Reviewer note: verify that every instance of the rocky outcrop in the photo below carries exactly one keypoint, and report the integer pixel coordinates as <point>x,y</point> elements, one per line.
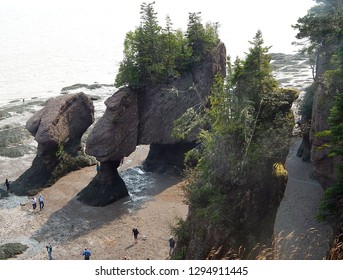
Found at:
<point>58,129</point>
<point>161,105</point>
<point>324,166</point>
<point>167,158</point>
<point>113,137</point>
<point>250,211</point>
<point>115,134</point>
<point>147,117</point>
<point>237,221</point>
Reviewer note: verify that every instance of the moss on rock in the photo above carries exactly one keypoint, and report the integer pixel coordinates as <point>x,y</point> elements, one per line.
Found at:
<point>10,250</point>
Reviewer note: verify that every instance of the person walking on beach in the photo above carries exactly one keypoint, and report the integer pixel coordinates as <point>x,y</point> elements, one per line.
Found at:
<point>87,254</point>
<point>135,234</point>
<point>41,202</point>
<point>171,245</point>
<point>49,250</point>
<point>98,167</point>
<point>7,184</point>
<point>34,203</point>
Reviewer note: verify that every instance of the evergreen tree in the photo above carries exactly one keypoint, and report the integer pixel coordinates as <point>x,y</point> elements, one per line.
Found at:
<point>201,39</point>
<point>154,55</point>
<point>254,79</point>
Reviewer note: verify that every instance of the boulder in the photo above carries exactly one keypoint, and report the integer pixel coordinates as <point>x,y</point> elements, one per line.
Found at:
<point>58,128</point>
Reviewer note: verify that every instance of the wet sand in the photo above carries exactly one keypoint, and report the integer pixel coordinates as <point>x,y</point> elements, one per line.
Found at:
<point>71,226</point>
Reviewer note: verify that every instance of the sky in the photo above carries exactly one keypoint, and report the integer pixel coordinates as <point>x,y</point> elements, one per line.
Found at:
<point>239,19</point>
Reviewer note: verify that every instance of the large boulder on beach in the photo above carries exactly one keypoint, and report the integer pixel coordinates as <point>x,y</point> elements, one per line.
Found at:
<point>61,122</point>
<point>58,128</point>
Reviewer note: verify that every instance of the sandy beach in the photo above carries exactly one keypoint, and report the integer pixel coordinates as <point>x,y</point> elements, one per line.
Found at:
<point>71,226</point>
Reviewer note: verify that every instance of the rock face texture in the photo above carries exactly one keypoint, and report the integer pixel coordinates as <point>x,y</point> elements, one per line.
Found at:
<point>323,164</point>
<point>161,105</point>
<point>247,209</point>
<point>250,211</point>
<point>58,129</point>
<point>147,117</point>
<point>113,137</point>
<point>115,134</point>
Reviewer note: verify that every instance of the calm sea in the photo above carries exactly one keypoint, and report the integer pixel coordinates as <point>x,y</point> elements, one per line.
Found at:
<point>44,50</point>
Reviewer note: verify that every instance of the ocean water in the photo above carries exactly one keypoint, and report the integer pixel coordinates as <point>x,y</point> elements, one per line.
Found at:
<point>43,51</point>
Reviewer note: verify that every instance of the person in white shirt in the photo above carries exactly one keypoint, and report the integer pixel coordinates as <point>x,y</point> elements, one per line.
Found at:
<point>34,203</point>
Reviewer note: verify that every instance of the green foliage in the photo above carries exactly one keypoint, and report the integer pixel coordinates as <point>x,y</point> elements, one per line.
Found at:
<point>153,54</point>
<point>10,250</point>
<point>333,198</point>
<point>246,125</point>
<point>182,235</point>
<point>201,39</point>
<point>323,27</point>
<point>307,103</point>
<point>253,77</point>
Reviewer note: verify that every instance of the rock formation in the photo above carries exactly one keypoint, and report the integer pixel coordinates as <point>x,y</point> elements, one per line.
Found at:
<point>58,128</point>
<point>241,225</point>
<point>147,117</point>
<point>113,137</point>
<point>324,166</point>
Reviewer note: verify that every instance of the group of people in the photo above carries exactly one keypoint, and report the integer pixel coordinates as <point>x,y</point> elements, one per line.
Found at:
<point>87,253</point>
<point>40,200</point>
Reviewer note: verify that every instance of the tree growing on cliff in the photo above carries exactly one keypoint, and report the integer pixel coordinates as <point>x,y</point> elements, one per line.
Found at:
<point>155,55</point>
<point>201,39</point>
<point>322,26</point>
<point>240,138</point>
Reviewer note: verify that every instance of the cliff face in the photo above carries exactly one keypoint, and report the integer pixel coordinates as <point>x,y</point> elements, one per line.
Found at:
<point>147,117</point>
<point>161,105</point>
<point>247,209</point>
<point>324,165</point>
<point>250,211</point>
<point>115,134</point>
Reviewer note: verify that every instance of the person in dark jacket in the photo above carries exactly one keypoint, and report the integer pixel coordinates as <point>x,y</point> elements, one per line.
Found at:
<point>87,254</point>
<point>7,184</point>
<point>171,246</point>
<point>135,234</point>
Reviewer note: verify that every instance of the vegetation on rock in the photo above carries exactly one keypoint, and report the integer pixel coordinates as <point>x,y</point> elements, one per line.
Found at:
<point>323,27</point>
<point>245,136</point>
<point>154,55</point>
